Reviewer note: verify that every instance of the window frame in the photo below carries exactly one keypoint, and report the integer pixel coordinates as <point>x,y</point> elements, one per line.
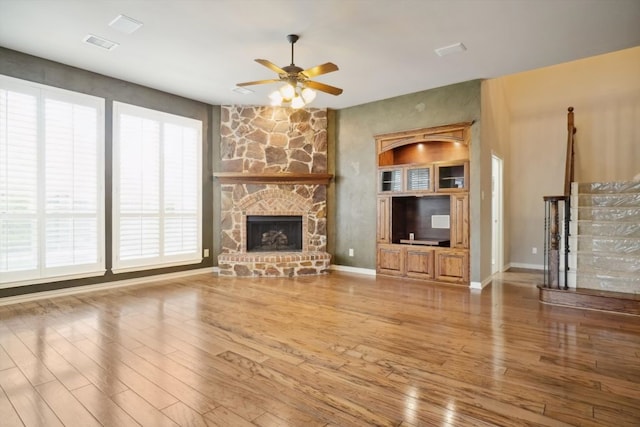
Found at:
<point>162,260</point>
<point>41,273</point>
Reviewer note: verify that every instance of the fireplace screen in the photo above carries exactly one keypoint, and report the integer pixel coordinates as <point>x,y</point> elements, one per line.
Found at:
<point>274,233</point>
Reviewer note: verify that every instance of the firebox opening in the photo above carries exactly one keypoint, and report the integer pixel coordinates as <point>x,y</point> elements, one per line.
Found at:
<point>274,233</point>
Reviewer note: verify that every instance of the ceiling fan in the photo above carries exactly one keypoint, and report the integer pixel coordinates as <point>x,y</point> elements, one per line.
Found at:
<point>298,87</point>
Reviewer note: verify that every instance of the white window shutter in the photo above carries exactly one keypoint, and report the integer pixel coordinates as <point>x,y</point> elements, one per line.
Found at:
<point>157,195</point>
<point>18,183</point>
<point>51,183</point>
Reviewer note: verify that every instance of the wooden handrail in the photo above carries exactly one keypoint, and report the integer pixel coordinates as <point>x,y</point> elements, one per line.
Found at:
<point>569,165</point>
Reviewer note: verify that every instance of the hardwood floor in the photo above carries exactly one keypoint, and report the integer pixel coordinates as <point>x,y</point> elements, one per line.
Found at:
<point>336,350</point>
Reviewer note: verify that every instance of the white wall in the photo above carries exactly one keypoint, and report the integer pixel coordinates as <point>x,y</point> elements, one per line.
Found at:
<point>605,92</point>
<point>496,130</point>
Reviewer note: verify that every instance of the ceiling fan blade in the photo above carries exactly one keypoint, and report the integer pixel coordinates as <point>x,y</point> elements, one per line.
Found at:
<point>329,67</point>
<point>270,65</point>
<point>258,82</point>
<point>323,87</point>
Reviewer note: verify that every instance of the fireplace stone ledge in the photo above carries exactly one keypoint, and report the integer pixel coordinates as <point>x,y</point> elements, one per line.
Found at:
<point>273,264</point>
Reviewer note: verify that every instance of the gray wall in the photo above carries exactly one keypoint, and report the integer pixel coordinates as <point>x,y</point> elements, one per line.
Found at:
<point>353,222</point>
<point>26,67</point>
<point>351,158</point>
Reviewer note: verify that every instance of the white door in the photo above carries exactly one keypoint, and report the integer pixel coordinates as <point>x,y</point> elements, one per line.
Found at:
<point>497,241</point>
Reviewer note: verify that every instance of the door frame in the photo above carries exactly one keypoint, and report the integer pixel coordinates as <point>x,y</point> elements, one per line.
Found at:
<point>497,213</point>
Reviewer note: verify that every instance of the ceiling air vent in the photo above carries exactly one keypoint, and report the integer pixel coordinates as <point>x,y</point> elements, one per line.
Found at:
<point>125,24</point>
<point>448,50</point>
<point>241,90</point>
<point>100,42</point>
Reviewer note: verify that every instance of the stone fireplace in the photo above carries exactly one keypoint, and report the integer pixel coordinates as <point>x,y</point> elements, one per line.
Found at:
<point>273,191</point>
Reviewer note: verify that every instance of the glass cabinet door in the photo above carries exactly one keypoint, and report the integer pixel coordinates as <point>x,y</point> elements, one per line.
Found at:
<point>390,180</point>
<point>452,176</point>
<point>419,179</point>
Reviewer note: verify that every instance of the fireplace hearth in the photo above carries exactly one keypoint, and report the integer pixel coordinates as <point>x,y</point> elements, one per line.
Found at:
<point>274,233</point>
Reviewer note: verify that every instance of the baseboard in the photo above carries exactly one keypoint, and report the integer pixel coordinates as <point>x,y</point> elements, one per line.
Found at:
<point>357,270</point>
<point>524,265</point>
<point>101,286</point>
<point>481,285</point>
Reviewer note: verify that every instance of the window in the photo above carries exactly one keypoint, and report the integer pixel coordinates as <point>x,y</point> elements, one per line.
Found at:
<point>51,183</point>
<point>157,189</point>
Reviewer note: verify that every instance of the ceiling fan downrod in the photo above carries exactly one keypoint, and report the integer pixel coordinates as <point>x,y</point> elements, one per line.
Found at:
<point>292,39</point>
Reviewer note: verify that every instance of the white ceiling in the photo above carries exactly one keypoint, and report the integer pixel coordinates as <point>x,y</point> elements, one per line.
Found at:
<point>201,48</point>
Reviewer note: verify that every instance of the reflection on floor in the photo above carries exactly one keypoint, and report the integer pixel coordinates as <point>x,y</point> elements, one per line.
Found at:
<point>341,349</point>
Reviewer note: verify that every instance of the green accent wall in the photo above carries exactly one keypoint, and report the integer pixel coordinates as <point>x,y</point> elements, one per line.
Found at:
<point>353,217</point>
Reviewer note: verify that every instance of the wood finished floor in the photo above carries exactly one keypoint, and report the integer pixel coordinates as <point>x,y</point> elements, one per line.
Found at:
<point>336,350</point>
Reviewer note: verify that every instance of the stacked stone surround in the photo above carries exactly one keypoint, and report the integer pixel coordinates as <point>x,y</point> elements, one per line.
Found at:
<point>267,140</point>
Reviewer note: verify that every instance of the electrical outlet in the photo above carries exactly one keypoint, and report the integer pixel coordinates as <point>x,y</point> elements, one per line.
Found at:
<point>534,250</point>
<point>205,253</point>
<point>350,251</point>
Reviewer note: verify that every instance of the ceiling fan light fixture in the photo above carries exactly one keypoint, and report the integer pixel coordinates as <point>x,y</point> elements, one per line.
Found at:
<point>308,95</point>
<point>287,91</point>
<point>276,98</point>
<point>297,102</point>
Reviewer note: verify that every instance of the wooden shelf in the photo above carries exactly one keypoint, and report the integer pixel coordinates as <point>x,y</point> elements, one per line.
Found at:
<point>423,242</point>
<point>272,178</point>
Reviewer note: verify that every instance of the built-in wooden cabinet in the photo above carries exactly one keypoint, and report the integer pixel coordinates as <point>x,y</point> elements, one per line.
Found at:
<point>384,216</point>
<point>460,221</point>
<point>452,266</point>
<point>419,262</point>
<point>391,259</point>
<point>406,260</point>
<point>452,176</point>
<point>423,204</point>
<point>390,180</point>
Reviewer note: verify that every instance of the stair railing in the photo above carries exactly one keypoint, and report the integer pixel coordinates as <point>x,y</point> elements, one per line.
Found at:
<point>570,158</point>
<point>552,236</point>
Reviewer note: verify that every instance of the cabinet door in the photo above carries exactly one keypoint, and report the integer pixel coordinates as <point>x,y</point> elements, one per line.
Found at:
<point>419,178</point>
<point>460,221</point>
<point>384,219</point>
<point>419,262</point>
<point>452,266</point>
<point>452,176</point>
<point>390,180</point>
<point>391,260</point>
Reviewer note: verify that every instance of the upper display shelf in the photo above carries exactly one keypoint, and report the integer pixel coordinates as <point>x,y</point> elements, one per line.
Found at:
<point>425,145</point>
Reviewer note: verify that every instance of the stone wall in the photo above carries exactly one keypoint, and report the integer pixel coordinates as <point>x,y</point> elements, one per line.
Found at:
<point>259,140</point>
<point>273,139</point>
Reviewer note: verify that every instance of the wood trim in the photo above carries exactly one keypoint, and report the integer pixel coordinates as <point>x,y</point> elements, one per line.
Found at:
<point>272,178</point>
<point>616,302</point>
<point>458,132</point>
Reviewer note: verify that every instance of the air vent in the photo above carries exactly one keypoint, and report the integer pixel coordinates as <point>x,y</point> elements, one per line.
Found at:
<point>125,24</point>
<point>100,42</point>
<point>448,50</point>
<point>241,90</point>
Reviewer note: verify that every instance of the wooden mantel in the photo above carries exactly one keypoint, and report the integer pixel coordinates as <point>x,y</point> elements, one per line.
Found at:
<point>272,178</point>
